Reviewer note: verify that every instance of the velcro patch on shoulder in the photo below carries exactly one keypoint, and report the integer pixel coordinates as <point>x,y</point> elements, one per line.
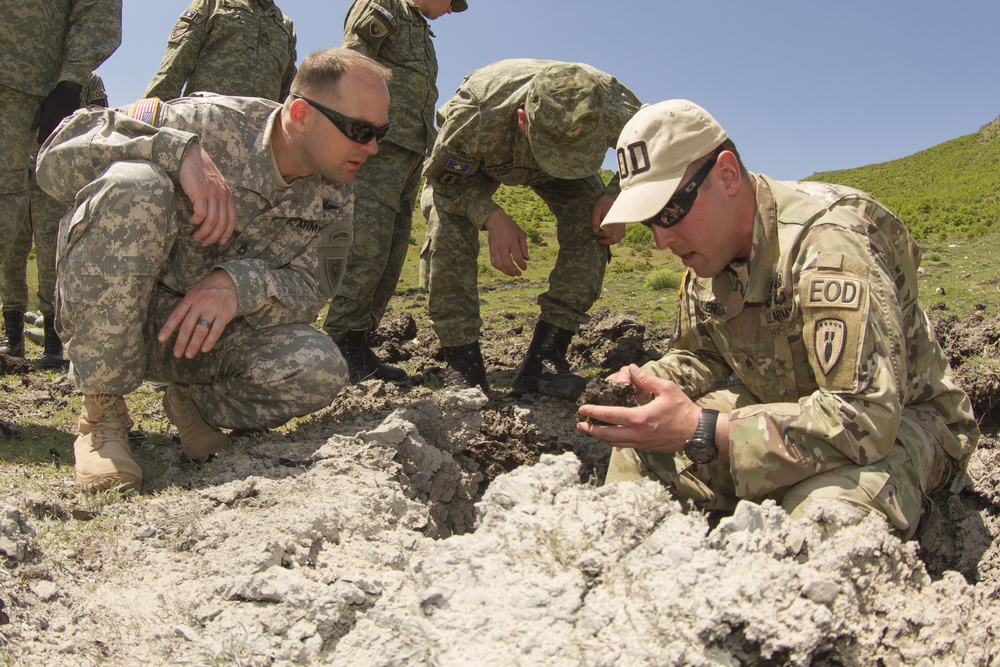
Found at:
<point>448,169</point>
<point>834,319</point>
<point>377,25</point>
<point>147,111</point>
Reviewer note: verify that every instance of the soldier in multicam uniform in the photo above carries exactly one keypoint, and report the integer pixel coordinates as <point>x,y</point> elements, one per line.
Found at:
<point>229,47</point>
<point>47,52</point>
<point>547,125</point>
<point>222,314</point>
<point>814,370</point>
<point>397,34</point>
<point>42,223</point>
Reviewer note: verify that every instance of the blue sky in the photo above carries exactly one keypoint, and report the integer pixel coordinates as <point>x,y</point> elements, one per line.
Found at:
<point>800,85</point>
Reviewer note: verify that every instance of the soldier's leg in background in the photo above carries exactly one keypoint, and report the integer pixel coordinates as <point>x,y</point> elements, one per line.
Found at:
<point>17,111</point>
<point>708,486</point>
<point>399,244</point>
<point>110,251</point>
<point>14,269</point>
<point>45,213</point>
<point>451,251</point>
<point>379,212</point>
<point>575,280</point>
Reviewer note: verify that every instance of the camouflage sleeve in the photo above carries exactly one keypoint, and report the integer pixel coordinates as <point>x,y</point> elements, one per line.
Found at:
<point>286,80</point>
<point>453,166</point>
<point>852,328</point>
<point>623,104</point>
<point>367,25</point>
<point>94,33</point>
<point>183,48</point>
<point>87,142</point>
<point>693,362</point>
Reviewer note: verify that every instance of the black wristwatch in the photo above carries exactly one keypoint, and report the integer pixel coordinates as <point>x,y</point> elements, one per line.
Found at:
<point>701,448</point>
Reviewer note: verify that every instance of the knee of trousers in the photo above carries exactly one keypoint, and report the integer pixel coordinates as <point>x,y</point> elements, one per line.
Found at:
<point>309,371</point>
<point>131,207</point>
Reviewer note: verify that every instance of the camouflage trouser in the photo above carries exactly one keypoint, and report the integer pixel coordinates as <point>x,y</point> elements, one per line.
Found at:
<point>451,253</point>
<point>891,486</point>
<point>41,223</point>
<point>110,307</point>
<point>384,195</point>
<point>17,111</point>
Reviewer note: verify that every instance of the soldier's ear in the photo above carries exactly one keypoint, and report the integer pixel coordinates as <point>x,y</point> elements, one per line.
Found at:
<point>298,112</point>
<point>729,171</point>
<point>522,120</point>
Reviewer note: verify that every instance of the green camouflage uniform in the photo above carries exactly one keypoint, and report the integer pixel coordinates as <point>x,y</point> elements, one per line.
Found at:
<point>825,360</point>
<point>229,47</point>
<point>41,44</point>
<point>394,33</point>
<point>480,146</point>
<point>42,223</point>
<point>126,258</point>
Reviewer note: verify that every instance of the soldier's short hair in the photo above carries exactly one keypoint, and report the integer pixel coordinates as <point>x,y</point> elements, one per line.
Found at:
<point>323,69</point>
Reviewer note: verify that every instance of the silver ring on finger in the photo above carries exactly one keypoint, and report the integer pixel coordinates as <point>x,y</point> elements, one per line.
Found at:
<point>204,323</point>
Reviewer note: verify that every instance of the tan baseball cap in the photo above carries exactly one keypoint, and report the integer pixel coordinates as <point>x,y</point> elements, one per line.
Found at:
<point>566,121</point>
<point>459,5</point>
<point>655,148</point>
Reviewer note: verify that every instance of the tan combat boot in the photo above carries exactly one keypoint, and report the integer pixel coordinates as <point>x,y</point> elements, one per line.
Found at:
<point>199,439</point>
<point>103,457</point>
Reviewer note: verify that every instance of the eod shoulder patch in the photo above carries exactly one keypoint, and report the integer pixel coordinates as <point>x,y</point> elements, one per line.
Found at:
<point>834,316</point>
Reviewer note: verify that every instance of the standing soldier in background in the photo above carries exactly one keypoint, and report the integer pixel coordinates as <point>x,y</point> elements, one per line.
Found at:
<point>42,223</point>
<point>547,125</point>
<point>229,47</point>
<point>48,50</point>
<point>396,34</point>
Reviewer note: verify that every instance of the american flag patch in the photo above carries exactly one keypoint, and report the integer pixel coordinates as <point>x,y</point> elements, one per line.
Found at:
<point>146,110</point>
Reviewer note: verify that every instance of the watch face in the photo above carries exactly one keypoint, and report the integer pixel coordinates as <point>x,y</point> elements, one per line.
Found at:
<point>700,450</point>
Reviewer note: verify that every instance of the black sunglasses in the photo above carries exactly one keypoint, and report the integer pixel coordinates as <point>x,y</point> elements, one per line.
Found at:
<point>356,130</point>
<point>682,201</point>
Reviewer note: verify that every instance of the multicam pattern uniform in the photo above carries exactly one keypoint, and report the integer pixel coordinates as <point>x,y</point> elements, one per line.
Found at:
<point>126,258</point>
<point>394,33</point>
<point>41,44</point>
<point>229,47</point>
<point>42,223</point>
<point>841,383</point>
<point>480,146</point>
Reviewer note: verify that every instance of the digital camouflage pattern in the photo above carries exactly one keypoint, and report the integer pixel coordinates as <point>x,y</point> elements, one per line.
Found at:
<point>229,47</point>
<point>480,146</point>
<point>126,257</point>
<point>823,328</point>
<point>41,44</point>
<point>397,35</point>
<point>41,224</point>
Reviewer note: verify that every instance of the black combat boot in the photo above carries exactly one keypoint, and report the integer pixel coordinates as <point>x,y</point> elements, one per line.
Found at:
<point>545,369</point>
<point>465,367</point>
<point>52,351</point>
<point>13,340</point>
<point>362,362</point>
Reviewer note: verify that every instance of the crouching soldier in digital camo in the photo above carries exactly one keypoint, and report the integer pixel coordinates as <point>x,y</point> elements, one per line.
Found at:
<point>547,125</point>
<point>804,369</point>
<point>222,312</point>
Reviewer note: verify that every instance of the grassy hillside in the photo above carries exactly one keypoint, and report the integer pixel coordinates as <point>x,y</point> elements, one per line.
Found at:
<point>951,190</point>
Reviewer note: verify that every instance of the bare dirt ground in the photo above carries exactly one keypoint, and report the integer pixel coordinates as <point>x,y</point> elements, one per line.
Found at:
<point>405,525</point>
